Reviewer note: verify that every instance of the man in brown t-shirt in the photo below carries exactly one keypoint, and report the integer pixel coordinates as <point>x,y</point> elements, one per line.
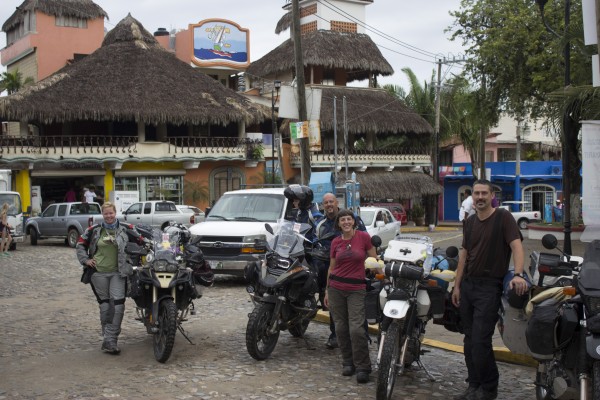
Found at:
<point>489,238</point>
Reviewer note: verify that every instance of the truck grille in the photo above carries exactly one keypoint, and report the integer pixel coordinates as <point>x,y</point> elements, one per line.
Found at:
<point>230,239</point>
<point>224,251</point>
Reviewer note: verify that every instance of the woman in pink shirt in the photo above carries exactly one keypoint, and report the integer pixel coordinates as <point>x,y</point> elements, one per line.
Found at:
<point>346,292</point>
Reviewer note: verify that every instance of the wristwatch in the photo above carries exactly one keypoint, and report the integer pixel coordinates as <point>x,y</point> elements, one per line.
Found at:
<point>520,275</point>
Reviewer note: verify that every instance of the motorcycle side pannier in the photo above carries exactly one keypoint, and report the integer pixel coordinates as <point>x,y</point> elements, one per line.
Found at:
<point>373,312</point>
<point>541,329</point>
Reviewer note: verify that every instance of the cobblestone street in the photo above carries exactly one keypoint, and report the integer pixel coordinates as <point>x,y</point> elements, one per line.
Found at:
<point>50,348</point>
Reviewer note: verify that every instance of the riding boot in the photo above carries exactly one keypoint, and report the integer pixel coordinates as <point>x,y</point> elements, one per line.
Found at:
<point>113,327</point>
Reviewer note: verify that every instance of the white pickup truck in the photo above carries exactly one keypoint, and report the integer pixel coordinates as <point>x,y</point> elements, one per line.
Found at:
<point>155,213</point>
<point>522,217</point>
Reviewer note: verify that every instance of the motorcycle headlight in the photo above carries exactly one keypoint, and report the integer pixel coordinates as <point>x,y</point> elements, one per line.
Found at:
<point>160,265</point>
<point>592,305</point>
<point>172,267</point>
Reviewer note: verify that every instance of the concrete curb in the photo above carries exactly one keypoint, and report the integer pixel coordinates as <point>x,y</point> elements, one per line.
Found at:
<point>501,353</point>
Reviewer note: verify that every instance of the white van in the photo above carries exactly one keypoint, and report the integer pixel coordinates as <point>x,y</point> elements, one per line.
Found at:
<point>234,223</point>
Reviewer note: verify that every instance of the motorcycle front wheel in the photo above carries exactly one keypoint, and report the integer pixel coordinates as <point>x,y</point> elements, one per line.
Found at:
<point>259,342</point>
<point>164,339</point>
<point>388,367</point>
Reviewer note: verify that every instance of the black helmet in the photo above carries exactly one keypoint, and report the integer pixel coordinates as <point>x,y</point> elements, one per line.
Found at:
<point>517,301</point>
<point>302,193</point>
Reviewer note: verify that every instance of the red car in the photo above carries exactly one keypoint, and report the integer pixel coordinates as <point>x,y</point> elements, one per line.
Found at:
<point>396,209</point>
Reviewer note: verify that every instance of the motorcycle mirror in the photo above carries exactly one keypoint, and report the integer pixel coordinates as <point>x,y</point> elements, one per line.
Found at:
<point>376,241</point>
<point>269,229</point>
<point>451,252</point>
<point>549,241</point>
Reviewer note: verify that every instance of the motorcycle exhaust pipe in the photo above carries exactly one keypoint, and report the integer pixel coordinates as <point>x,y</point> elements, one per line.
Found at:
<point>584,382</point>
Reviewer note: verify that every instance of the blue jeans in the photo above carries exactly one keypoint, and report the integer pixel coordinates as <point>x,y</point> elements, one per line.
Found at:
<point>479,305</point>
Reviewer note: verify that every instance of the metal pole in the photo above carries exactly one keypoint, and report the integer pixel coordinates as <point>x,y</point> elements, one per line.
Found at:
<point>345,134</point>
<point>569,133</point>
<point>334,141</point>
<point>274,128</point>
<point>436,140</point>
<point>517,194</point>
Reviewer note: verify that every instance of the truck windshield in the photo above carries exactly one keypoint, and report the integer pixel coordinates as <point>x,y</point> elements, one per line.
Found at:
<point>261,207</point>
<point>14,203</point>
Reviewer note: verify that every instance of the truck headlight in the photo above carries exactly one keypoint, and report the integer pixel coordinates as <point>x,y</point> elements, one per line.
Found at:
<point>248,244</point>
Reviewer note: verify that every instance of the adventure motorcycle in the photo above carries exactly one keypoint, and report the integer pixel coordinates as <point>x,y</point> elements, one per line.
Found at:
<point>560,324</point>
<point>415,294</point>
<point>282,287</point>
<point>169,273</point>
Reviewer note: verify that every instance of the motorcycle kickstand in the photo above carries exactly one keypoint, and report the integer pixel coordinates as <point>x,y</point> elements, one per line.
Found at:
<point>420,364</point>
<point>180,328</point>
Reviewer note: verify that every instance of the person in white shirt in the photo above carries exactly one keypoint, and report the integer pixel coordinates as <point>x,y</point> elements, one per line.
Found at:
<point>90,194</point>
<point>466,207</point>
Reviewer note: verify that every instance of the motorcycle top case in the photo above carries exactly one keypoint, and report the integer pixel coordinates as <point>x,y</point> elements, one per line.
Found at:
<point>541,329</point>
<point>405,250</point>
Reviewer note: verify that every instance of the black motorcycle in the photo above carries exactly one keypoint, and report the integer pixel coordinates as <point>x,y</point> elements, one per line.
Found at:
<point>561,324</point>
<point>169,273</point>
<point>282,288</point>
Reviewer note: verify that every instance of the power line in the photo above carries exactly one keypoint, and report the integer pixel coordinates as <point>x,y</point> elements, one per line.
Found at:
<point>377,31</point>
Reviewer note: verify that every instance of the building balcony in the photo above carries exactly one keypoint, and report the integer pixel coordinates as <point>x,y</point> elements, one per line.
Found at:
<point>362,159</point>
<point>126,148</point>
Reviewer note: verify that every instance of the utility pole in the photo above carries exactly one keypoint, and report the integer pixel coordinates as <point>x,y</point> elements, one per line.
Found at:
<point>436,139</point>
<point>299,61</point>
<point>483,131</point>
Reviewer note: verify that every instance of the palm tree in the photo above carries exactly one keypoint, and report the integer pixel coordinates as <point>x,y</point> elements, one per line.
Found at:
<point>12,82</point>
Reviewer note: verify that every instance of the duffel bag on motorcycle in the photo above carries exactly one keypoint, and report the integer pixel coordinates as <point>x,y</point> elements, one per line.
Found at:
<point>451,317</point>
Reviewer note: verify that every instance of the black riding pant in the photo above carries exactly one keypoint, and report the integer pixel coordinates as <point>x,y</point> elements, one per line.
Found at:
<point>479,305</point>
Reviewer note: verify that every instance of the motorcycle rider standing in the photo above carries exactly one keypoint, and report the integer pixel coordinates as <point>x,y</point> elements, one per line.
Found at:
<point>102,247</point>
<point>489,238</point>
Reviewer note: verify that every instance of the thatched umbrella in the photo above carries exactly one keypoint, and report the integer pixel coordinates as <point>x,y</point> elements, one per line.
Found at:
<point>131,78</point>
<point>85,9</point>
<point>378,184</point>
<point>354,52</point>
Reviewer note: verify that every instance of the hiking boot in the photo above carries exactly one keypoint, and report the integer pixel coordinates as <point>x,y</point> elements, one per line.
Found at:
<point>348,370</point>
<point>483,394</point>
<point>332,343</point>
<point>469,394</point>
<point>110,348</point>
<point>362,376</point>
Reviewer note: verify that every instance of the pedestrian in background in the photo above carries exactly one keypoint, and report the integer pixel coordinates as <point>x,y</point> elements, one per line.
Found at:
<point>5,237</point>
<point>489,239</point>
<point>346,294</point>
<point>70,196</point>
<point>466,207</point>
<point>102,247</point>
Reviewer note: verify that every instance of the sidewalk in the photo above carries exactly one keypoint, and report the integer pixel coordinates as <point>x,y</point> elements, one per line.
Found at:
<point>437,336</point>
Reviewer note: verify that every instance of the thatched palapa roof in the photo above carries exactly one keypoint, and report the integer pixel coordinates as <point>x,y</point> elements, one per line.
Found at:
<point>354,52</point>
<point>378,184</point>
<point>369,110</point>
<point>86,9</point>
<point>131,78</point>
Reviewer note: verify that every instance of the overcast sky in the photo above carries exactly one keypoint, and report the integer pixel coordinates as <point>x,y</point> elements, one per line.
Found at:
<point>418,24</point>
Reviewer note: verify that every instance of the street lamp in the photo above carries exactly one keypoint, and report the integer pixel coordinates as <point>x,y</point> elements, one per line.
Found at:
<point>276,86</point>
<point>568,126</point>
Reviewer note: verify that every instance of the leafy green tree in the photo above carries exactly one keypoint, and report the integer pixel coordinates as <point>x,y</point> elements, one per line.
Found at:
<point>195,191</point>
<point>523,63</point>
<point>12,82</point>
